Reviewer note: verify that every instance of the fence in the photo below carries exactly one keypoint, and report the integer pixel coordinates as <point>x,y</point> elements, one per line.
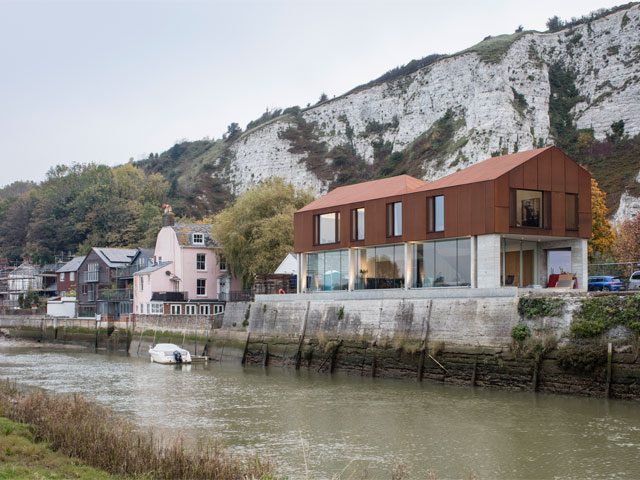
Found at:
<point>236,296</point>
<point>622,270</point>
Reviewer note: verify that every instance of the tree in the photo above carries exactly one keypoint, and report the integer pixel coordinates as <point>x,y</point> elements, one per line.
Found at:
<point>256,232</point>
<point>323,98</point>
<point>233,130</point>
<point>627,246</point>
<point>555,23</point>
<point>602,238</point>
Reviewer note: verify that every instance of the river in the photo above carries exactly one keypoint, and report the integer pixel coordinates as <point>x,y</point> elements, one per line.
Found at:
<point>342,427</point>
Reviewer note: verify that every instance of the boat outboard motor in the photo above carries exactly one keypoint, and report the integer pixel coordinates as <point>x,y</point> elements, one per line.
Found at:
<point>178,356</point>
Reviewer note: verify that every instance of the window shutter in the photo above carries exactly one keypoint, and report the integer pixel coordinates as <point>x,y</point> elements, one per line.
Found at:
<point>546,206</point>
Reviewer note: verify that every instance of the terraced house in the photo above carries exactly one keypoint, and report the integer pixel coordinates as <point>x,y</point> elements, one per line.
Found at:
<point>518,220</point>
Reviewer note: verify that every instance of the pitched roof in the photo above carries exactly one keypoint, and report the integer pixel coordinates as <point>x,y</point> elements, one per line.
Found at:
<point>489,169</point>
<point>152,268</point>
<point>115,257</point>
<point>185,231</point>
<point>72,265</point>
<point>361,192</point>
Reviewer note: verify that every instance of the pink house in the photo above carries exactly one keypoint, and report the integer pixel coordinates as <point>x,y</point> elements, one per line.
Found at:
<point>189,276</point>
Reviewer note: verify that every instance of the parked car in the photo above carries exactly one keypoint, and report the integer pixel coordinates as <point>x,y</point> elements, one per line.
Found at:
<point>634,281</point>
<point>606,282</point>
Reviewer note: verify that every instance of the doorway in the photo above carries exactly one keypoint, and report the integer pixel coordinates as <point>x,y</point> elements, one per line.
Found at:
<point>519,263</point>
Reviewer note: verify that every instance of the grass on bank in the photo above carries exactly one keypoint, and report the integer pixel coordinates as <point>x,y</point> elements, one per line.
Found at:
<point>78,428</point>
<point>22,457</point>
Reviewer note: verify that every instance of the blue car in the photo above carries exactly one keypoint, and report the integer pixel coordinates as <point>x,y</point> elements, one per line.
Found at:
<point>606,283</point>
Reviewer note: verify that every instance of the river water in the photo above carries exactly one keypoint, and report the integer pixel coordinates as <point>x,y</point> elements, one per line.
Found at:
<point>318,426</point>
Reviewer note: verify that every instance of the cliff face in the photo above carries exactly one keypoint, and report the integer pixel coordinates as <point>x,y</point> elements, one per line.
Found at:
<point>493,98</point>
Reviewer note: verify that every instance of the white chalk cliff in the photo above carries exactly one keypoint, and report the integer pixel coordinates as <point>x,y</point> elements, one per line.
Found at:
<point>483,92</point>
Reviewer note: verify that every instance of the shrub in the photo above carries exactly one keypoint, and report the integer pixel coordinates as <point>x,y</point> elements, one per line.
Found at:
<point>520,332</point>
<point>532,307</point>
<point>596,316</point>
<point>582,358</point>
<point>631,313</point>
<point>80,428</point>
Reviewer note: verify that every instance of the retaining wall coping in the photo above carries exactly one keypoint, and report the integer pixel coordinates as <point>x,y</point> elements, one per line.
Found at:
<point>422,293</point>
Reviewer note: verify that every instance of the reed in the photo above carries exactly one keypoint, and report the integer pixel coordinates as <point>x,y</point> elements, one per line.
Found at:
<point>80,428</point>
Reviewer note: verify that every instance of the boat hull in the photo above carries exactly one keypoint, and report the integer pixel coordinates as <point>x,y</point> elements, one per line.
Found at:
<point>166,354</point>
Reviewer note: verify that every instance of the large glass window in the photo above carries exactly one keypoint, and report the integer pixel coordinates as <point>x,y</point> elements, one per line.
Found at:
<point>357,224</point>
<point>380,267</point>
<point>445,263</point>
<point>571,215</point>
<point>200,262</point>
<point>394,219</point>
<point>201,286</point>
<point>528,208</point>
<point>326,228</point>
<point>328,270</point>
<point>435,207</point>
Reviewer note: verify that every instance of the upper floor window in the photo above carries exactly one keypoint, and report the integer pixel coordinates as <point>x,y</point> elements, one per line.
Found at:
<point>223,263</point>
<point>72,276</point>
<point>326,228</point>
<point>198,238</point>
<point>62,277</point>
<point>201,287</point>
<point>435,212</point>
<point>141,283</point>
<point>201,262</point>
<point>571,214</point>
<point>394,219</point>
<point>357,224</point>
<point>526,208</point>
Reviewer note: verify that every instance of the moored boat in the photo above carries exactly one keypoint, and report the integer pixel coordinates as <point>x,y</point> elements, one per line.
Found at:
<point>169,353</point>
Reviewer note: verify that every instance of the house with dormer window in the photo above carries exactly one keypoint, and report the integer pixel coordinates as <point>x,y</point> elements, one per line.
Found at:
<point>189,276</point>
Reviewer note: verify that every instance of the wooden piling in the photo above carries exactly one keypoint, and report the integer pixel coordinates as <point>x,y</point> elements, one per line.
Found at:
<point>301,340</point>
<point>246,349</point>
<point>536,373</point>
<point>474,374</point>
<point>609,362</point>
<point>265,361</point>
<point>423,345</point>
<point>334,357</point>
<point>374,360</point>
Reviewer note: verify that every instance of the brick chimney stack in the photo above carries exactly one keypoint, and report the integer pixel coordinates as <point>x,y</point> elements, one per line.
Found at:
<point>168,218</point>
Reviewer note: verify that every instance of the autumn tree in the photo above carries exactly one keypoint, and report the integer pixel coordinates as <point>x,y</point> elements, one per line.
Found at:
<point>627,246</point>
<point>256,232</point>
<point>602,238</point>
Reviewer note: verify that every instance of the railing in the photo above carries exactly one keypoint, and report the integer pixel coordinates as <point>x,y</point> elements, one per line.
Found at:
<point>129,270</point>
<point>169,296</point>
<point>116,294</point>
<point>236,296</point>
<point>91,276</point>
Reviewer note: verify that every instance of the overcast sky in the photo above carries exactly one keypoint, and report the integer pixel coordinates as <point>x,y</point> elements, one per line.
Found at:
<point>105,81</point>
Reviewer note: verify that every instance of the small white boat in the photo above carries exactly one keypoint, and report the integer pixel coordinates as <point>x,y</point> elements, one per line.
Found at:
<point>169,353</point>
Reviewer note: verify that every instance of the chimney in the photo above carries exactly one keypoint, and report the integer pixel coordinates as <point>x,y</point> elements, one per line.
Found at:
<point>168,218</point>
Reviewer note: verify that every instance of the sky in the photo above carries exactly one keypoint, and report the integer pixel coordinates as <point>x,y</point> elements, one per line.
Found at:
<point>96,81</point>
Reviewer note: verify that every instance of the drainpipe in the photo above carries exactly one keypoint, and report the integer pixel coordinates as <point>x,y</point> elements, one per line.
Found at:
<point>474,261</point>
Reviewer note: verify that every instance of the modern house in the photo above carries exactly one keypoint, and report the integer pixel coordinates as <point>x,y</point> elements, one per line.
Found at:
<point>67,274</point>
<point>516,220</point>
<point>189,277</point>
<point>96,284</point>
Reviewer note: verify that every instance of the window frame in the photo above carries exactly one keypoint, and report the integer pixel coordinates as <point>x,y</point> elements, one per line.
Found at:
<point>176,309</point>
<point>203,287</point>
<point>202,261</point>
<point>356,234</point>
<point>200,236</point>
<point>222,263</point>
<point>391,219</point>
<point>317,232</point>
<point>205,309</point>
<point>432,216</point>
<point>545,209</point>
<point>62,276</point>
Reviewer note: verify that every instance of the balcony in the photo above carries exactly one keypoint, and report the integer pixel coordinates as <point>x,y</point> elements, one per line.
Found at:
<point>116,294</point>
<point>170,296</point>
<point>91,276</point>
<point>129,270</point>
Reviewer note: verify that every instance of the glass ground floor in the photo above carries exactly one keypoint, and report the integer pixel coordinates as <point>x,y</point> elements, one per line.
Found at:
<point>485,261</point>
